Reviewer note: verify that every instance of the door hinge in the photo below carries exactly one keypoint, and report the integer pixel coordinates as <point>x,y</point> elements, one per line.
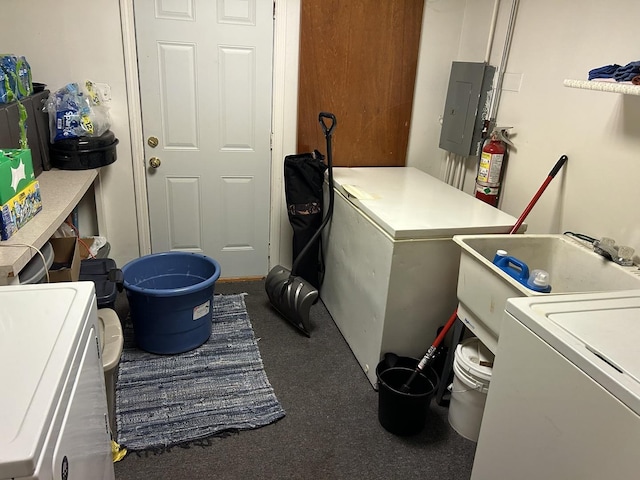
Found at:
<point>271,141</point>
<point>274,9</point>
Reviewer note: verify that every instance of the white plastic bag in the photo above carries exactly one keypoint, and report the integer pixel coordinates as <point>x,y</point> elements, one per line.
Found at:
<point>79,111</point>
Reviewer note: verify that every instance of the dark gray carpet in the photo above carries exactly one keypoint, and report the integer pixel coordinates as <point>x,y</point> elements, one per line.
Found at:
<point>166,400</point>
<point>331,429</point>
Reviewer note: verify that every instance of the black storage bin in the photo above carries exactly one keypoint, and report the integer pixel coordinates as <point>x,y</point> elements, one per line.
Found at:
<point>106,277</point>
<point>37,125</point>
<point>83,153</point>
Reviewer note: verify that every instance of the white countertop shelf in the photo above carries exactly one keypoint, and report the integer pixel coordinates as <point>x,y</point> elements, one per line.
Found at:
<point>61,190</point>
<point>614,87</point>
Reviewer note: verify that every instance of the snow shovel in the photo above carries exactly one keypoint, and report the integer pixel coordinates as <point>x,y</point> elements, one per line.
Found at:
<point>290,294</point>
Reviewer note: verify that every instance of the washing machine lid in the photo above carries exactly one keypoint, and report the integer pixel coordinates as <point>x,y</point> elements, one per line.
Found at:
<point>408,203</point>
<point>598,332</point>
<point>40,328</point>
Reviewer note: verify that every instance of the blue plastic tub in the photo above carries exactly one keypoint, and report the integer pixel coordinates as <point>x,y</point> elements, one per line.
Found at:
<point>171,300</point>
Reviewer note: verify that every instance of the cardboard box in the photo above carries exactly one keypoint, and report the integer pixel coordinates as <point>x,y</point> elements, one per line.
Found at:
<point>66,260</point>
<point>84,253</point>
<point>15,213</point>
<point>16,172</point>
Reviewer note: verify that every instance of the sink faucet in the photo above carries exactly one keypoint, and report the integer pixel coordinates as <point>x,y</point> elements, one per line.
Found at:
<point>607,247</point>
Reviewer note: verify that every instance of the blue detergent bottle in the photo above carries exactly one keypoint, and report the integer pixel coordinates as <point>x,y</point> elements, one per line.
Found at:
<point>538,280</point>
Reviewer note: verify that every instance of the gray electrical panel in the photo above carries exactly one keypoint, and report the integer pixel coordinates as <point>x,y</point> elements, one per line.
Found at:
<point>466,109</point>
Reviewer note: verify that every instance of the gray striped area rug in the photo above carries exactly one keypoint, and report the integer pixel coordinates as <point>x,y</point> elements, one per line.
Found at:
<point>221,386</point>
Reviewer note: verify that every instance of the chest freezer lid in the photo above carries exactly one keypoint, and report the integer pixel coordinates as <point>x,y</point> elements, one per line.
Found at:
<point>598,332</point>
<point>409,203</point>
<point>40,327</point>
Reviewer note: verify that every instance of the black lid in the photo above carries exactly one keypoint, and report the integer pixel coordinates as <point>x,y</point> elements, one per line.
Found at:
<point>97,270</point>
<point>85,143</point>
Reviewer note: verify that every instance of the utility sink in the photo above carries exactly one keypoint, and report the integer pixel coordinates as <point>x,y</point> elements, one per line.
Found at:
<point>573,267</point>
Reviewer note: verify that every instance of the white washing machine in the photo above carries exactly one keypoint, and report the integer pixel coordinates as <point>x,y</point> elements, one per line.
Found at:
<point>564,400</point>
<point>391,264</point>
<point>54,410</point>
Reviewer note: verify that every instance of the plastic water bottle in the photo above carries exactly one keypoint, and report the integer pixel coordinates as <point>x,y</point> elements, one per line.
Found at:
<point>539,280</point>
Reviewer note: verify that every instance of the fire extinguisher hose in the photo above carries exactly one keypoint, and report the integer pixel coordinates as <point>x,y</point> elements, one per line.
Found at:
<point>428,357</point>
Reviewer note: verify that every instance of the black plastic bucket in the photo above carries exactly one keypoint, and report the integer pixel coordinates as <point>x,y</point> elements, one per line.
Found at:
<point>398,412</point>
<point>83,153</point>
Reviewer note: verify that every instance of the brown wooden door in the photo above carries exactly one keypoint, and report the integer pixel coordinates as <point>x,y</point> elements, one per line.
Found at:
<point>358,60</point>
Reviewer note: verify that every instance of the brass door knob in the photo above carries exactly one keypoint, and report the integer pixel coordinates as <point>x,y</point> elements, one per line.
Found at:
<point>154,162</point>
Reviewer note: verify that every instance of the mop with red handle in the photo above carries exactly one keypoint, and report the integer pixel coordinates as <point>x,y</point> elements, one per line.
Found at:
<point>428,357</point>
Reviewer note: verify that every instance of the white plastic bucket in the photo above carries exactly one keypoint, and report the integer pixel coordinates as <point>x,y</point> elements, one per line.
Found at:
<point>472,367</point>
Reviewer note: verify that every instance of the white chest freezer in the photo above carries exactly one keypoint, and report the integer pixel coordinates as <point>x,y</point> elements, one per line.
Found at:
<point>391,263</point>
<point>53,403</point>
<point>564,399</point>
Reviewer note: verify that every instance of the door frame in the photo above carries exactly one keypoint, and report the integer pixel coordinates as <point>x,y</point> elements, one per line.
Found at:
<point>283,122</point>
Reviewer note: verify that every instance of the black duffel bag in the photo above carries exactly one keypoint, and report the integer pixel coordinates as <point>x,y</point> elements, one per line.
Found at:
<point>303,179</point>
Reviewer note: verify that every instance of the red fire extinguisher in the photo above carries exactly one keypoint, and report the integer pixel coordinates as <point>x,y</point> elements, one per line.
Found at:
<point>489,177</point>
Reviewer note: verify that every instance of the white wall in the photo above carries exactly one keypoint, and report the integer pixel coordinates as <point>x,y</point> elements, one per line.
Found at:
<point>439,44</point>
<point>72,41</point>
<point>285,117</point>
<point>597,193</point>
<point>600,132</point>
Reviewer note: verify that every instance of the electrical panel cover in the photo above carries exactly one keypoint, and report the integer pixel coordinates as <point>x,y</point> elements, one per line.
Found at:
<point>466,107</point>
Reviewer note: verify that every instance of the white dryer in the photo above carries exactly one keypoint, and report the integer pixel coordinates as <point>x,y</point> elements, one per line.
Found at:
<point>53,402</point>
<point>564,400</point>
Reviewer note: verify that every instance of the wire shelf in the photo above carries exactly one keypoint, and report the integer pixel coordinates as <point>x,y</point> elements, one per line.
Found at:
<point>614,87</point>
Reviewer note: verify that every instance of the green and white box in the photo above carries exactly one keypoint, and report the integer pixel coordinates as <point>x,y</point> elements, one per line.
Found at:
<point>16,172</point>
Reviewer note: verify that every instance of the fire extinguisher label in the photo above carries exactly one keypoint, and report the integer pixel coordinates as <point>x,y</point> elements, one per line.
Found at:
<point>487,194</point>
<point>489,169</point>
<point>491,191</point>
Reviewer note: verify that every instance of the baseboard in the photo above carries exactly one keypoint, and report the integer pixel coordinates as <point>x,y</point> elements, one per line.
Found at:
<point>239,279</point>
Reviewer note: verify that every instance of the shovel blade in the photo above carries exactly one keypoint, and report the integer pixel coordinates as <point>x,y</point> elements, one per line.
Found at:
<point>291,296</point>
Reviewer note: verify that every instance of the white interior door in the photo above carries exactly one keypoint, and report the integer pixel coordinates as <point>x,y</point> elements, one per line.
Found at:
<point>205,70</point>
